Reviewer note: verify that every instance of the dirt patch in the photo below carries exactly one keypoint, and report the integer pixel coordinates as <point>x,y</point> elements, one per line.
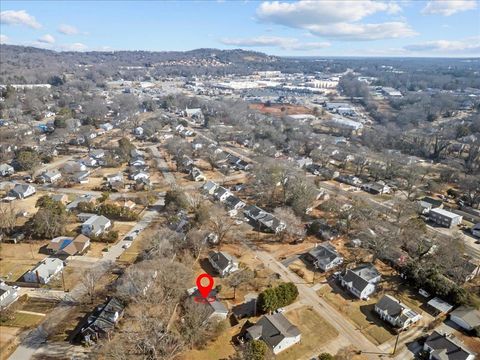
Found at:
<point>280,109</point>
<point>8,340</point>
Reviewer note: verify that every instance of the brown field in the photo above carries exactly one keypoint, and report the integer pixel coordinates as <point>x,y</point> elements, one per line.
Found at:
<point>8,340</point>
<point>311,325</point>
<point>281,109</point>
<point>16,259</point>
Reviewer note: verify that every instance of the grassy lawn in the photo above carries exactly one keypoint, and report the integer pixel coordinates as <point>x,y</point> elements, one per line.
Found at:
<point>220,348</point>
<point>311,325</point>
<point>360,313</point>
<point>24,321</point>
<point>8,341</point>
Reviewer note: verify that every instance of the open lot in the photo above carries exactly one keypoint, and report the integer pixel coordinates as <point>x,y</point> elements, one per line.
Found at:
<point>8,340</point>
<point>16,259</point>
<point>315,330</point>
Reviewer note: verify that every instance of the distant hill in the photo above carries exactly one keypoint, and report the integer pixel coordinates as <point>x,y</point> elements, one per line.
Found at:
<point>21,64</point>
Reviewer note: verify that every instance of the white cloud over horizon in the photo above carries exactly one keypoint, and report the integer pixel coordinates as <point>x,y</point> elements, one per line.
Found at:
<point>328,19</point>
<point>3,39</point>
<point>286,43</point>
<point>67,29</point>
<point>47,39</point>
<point>19,17</point>
<point>448,7</point>
<point>73,47</point>
<point>465,46</point>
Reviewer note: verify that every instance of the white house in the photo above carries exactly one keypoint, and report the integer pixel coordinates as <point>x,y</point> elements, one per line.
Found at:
<point>196,174</point>
<point>444,218</point>
<point>394,312</point>
<point>222,194</point>
<point>223,262</point>
<point>8,294</point>
<point>51,176</point>
<point>209,187</point>
<point>111,178</point>
<point>22,191</point>
<point>6,170</point>
<point>44,271</point>
<point>106,126</point>
<point>138,131</point>
<point>96,225</point>
<point>276,331</point>
<point>139,175</point>
<point>324,257</point>
<point>361,281</point>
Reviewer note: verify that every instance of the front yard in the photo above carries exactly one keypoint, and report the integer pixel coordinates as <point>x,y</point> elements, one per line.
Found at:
<point>316,332</point>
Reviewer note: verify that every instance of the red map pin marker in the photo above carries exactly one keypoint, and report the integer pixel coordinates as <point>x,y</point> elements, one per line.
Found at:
<point>204,290</point>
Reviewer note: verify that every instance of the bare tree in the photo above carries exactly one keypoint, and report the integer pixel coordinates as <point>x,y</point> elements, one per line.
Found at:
<point>294,226</point>
<point>220,223</point>
<point>8,218</point>
<point>91,276</point>
<point>238,278</point>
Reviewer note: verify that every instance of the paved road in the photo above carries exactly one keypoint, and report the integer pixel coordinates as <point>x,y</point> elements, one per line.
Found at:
<point>308,296</point>
<point>162,165</point>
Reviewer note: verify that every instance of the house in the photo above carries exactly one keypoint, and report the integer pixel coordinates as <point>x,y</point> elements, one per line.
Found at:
<point>361,281</point>
<point>71,167</point>
<point>209,187</point>
<point>276,331</point>
<point>439,306</point>
<point>324,257</point>
<point>444,218</point>
<point>96,225</point>
<point>349,179</point>
<point>6,170</point>
<point>101,322</point>
<point>129,204</point>
<point>246,309</point>
<point>468,318</point>
<point>216,309</point>
<point>106,126</point>
<point>68,246</point>
<point>139,175</point>
<point>426,204</point>
<point>138,161</point>
<point>97,154</point>
<point>221,194</point>
<point>234,203</point>
<point>44,271</point>
<point>377,188</point>
<point>81,177</point>
<point>8,294</point>
<point>138,131</point>
<point>112,178</point>
<point>394,312</point>
<point>22,191</point>
<point>223,262</point>
<point>263,220</point>
<point>463,271</point>
<point>476,230</point>
<point>196,174</point>
<point>80,199</point>
<point>90,162</point>
<point>51,176</point>
<point>63,198</point>
<point>446,347</point>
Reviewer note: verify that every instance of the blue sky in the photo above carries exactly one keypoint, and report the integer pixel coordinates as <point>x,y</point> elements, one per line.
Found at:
<point>294,28</point>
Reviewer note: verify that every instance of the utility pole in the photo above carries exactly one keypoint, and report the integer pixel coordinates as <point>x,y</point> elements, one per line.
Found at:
<point>63,282</point>
<point>396,342</point>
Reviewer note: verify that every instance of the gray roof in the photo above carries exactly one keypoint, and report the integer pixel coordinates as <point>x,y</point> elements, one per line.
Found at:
<point>446,347</point>
<point>361,276</point>
<point>273,329</point>
<point>222,259</point>
<point>390,305</point>
<point>468,314</point>
<point>324,254</point>
<point>232,201</point>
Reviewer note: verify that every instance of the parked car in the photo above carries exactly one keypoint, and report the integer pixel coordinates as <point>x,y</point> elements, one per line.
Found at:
<point>126,245</point>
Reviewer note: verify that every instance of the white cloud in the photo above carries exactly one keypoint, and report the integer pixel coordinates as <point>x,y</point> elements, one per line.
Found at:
<point>448,47</point>
<point>67,29</point>
<point>336,20</point>
<point>448,7</point>
<point>74,47</point>
<point>285,43</point>
<point>3,39</point>
<point>47,39</point>
<point>19,17</point>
